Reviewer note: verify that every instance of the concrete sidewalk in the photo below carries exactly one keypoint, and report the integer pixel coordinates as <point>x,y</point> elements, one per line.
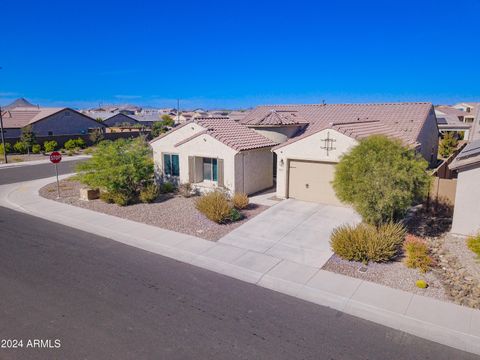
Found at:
<point>442,322</point>
<point>65,158</point>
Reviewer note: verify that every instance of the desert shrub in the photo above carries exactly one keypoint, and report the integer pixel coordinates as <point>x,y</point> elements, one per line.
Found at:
<point>106,197</point>
<point>121,166</point>
<point>70,144</point>
<point>96,135</point>
<point>448,144</point>
<point>235,215</point>
<point>167,187</point>
<point>417,254</point>
<point>240,200</point>
<point>50,146</point>
<point>382,179</point>
<point>63,151</point>
<point>473,243</point>
<point>89,151</point>
<point>214,206</point>
<point>8,147</point>
<point>122,199</point>
<point>80,143</point>
<point>20,147</point>
<point>365,242</point>
<point>149,193</point>
<point>36,148</point>
<point>186,189</point>
<point>70,152</point>
<point>422,284</point>
<point>28,136</point>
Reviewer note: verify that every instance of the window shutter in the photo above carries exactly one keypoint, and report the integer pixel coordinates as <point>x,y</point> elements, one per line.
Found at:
<point>191,169</point>
<point>220,172</point>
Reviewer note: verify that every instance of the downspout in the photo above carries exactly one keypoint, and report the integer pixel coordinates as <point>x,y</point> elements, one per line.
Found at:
<point>243,168</point>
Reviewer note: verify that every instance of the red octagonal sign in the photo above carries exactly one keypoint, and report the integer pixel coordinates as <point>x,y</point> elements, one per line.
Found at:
<point>55,157</point>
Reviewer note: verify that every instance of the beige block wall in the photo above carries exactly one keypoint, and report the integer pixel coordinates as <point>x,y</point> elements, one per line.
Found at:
<point>254,170</point>
<point>310,148</point>
<point>466,213</point>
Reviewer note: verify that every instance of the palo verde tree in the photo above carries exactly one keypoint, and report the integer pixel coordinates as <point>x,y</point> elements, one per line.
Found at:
<point>28,137</point>
<point>381,179</point>
<point>122,167</point>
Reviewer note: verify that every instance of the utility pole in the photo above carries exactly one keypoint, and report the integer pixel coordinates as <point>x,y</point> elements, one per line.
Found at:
<point>178,111</point>
<point>3,135</point>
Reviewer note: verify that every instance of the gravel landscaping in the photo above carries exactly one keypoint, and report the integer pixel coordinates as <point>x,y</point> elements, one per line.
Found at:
<point>454,277</point>
<point>170,212</point>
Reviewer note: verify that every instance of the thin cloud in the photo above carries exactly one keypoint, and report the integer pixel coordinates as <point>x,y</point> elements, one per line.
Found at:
<point>127,97</point>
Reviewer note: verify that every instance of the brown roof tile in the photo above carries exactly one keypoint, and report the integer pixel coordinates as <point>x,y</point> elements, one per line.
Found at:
<point>400,120</point>
<point>231,133</point>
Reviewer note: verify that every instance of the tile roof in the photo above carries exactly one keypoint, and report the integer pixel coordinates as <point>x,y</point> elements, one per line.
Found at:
<point>231,133</point>
<point>401,120</point>
<point>470,155</point>
<point>23,116</point>
<point>448,110</point>
<point>276,117</point>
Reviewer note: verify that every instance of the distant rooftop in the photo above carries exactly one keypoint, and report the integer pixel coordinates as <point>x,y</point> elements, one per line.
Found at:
<point>470,155</point>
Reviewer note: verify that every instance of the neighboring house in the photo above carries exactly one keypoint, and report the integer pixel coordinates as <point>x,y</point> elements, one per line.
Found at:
<point>47,121</point>
<point>215,152</point>
<point>314,137</point>
<point>466,219</point>
<point>21,102</point>
<point>473,117</point>
<point>120,119</point>
<point>450,119</point>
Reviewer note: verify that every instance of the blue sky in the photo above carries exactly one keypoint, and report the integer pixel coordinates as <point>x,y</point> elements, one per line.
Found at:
<point>216,54</point>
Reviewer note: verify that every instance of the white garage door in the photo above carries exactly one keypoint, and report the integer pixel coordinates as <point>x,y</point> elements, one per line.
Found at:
<point>311,181</point>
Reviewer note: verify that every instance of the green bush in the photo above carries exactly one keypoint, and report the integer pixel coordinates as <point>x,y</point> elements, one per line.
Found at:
<point>473,243</point>
<point>20,147</point>
<point>448,144</point>
<point>70,152</point>
<point>89,151</point>
<point>215,206</point>
<point>122,166</point>
<point>7,146</point>
<point>366,243</point>
<point>422,284</point>
<point>36,149</point>
<point>106,197</point>
<point>382,179</point>
<point>149,193</point>
<point>167,187</point>
<point>70,144</point>
<point>240,200</point>
<point>417,254</point>
<point>235,215</point>
<point>80,143</point>
<point>50,146</point>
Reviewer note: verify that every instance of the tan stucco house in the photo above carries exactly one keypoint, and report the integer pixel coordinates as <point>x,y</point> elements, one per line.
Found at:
<point>295,146</point>
<point>314,137</point>
<point>215,152</point>
<point>466,219</point>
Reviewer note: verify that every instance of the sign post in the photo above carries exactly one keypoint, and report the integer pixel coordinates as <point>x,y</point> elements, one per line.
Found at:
<point>55,158</point>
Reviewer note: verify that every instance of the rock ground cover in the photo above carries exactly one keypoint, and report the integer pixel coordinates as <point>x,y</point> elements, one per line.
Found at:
<point>455,275</point>
<point>172,212</point>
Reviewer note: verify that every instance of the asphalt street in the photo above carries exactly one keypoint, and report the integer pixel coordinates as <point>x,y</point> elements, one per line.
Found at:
<point>95,298</point>
<point>33,172</point>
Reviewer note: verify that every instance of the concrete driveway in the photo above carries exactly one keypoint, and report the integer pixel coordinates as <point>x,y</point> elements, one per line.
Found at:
<point>293,230</point>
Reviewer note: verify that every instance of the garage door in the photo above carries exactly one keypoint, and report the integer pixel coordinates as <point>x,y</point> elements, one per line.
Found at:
<point>311,181</point>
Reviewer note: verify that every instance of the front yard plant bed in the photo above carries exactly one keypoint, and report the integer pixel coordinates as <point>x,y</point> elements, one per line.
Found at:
<point>169,211</point>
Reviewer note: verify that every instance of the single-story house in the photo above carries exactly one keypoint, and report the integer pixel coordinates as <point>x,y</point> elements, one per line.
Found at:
<point>47,121</point>
<point>450,119</point>
<point>307,142</point>
<point>466,219</point>
<point>215,152</point>
<point>314,137</point>
<point>120,119</point>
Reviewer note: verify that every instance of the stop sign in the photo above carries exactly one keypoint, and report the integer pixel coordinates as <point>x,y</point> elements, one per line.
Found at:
<point>55,157</point>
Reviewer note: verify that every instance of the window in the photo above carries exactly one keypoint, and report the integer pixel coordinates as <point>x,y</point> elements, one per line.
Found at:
<point>210,167</point>
<point>171,166</point>
<point>50,133</point>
